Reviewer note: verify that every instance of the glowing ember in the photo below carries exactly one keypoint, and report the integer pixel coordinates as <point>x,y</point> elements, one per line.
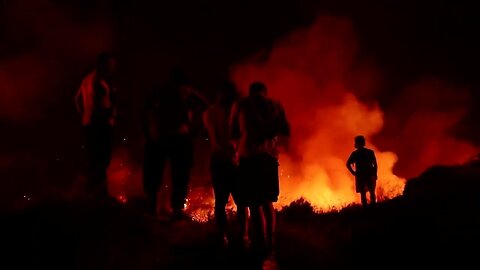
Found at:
<point>121,198</point>
<point>200,204</point>
<point>124,176</point>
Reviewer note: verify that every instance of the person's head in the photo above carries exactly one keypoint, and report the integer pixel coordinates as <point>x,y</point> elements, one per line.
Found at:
<point>106,64</point>
<point>258,89</point>
<point>359,141</point>
<point>227,94</point>
<point>180,81</point>
<point>178,76</point>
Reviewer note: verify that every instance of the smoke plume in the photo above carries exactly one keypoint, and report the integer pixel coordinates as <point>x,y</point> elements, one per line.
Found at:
<point>328,89</point>
<point>44,46</point>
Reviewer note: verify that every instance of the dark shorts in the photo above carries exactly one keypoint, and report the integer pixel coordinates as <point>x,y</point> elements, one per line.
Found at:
<point>258,181</point>
<point>99,143</point>
<point>223,173</point>
<point>365,183</point>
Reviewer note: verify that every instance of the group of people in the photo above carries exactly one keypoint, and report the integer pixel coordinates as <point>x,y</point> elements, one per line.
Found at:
<point>246,135</point>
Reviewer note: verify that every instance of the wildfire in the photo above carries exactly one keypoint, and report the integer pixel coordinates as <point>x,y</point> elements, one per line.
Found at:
<point>314,75</point>
<point>317,187</point>
<point>318,75</point>
<point>311,73</point>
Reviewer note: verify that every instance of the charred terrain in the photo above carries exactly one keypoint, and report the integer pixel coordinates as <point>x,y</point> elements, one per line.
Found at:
<point>435,222</point>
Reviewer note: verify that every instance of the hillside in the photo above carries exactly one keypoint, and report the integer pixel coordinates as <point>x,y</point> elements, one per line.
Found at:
<point>435,222</point>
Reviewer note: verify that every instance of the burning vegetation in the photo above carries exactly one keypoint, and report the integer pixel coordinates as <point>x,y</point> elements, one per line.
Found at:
<point>319,75</point>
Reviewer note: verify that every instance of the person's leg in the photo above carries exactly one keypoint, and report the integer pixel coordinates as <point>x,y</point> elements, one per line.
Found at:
<point>269,214</point>
<point>268,169</point>
<point>218,172</point>
<point>153,168</point>
<point>105,155</point>
<point>361,186</point>
<point>262,190</point>
<point>372,187</point>
<point>257,229</point>
<point>94,146</point>
<point>232,178</point>
<point>373,199</point>
<point>220,214</point>
<point>181,153</point>
<point>243,214</point>
<point>241,192</point>
<point>363,196</point>
<point>90,148</point>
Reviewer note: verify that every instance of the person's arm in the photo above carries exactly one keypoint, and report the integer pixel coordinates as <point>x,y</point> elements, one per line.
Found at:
<point>207,122</point>
<point>374,164</point>
<point>186,117</point>
<point>193,91</point>
<point>283,129</point>
<point>350,162</point>
<point>149,122</point>
<point>234,131</point>
<point>78,100</point>
<point>234,125</point>
<point>113,98</point>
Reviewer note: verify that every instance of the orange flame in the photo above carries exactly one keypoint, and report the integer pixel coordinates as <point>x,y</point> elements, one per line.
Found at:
<point>311,73</point>
<point>318,75</point>
<point>321,177</point>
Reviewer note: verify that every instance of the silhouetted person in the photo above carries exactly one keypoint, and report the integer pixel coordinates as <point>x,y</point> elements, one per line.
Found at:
<point>168,137</point>
<point>365,170</point>
<point>260,124</point>
<point>223,167</point>
<point>95,100</point>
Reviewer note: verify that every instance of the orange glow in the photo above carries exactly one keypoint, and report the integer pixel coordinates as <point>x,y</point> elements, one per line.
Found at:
<point>328,92</point>
<point>200,204</point>
<point>321,176</point>
<point>421,134</point>
<point>33,77</point>
<point>124,177</point>
<point>122,198</point>
<point>125,181</point>
<point>314,74</point>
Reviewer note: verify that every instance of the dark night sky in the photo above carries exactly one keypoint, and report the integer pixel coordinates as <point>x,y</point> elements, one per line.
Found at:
<point>407,39</point>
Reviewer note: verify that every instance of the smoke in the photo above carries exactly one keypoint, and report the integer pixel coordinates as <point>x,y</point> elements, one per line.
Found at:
<point>320,73</point>
<point>43,44</point>
<point>328,89</point>
<point>420,124</point>
<point>46,47</point>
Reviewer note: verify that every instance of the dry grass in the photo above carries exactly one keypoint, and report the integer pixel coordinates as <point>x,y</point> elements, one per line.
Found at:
<point>437,221</point>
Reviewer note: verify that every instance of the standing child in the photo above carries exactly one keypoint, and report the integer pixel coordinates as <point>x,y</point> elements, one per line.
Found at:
<point>365,170</point>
